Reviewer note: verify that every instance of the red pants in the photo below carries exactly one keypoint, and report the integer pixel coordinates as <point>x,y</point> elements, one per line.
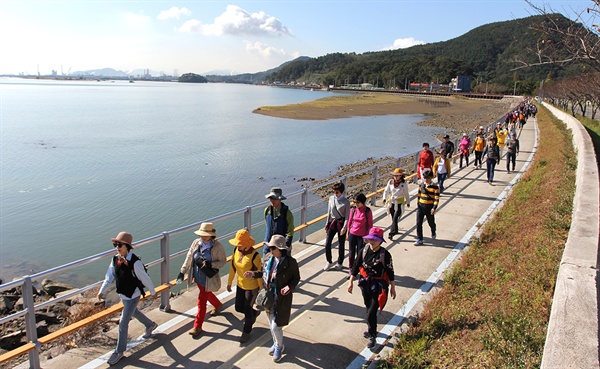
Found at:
<point>203,297</point>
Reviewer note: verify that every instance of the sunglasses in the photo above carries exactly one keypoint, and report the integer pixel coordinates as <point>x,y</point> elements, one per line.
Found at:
<point>272,248</point>
<point>118,244</point>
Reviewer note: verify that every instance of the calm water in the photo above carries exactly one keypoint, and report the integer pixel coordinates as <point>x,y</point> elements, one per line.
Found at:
<point>81,161</point>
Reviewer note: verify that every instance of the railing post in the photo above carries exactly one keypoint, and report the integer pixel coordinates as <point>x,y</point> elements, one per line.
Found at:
<point>164,270</point>
<point>345,181</point>
<point>374,184</point>
<point>248,219</point>
<point>30,327</point>
<point>303,214</point>
<point>398,163</point>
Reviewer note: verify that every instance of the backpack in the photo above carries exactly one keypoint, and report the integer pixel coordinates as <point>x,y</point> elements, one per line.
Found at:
<point>381,254</point>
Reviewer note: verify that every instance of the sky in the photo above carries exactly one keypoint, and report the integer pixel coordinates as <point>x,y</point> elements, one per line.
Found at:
<point>176,37</point>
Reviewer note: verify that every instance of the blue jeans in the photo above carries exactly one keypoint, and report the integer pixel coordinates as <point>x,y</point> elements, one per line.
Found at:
<point>491,165</point>
<point>441,178</point>
<point>130,310</point>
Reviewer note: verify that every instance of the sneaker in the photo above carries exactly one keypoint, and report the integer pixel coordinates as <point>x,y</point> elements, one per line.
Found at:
<point>391,236</point>
<point>434,235</point>
<point>277,353</point>
<point>327,266</point>
<point>272,349</point>
<point>215,311</point>
<point>195,331</point>
<point>418,242</point>
<point>149,330</point>
<point>114,358</point>
<point>337,266</point>
<point>245,337</point>
<point>371,342</point>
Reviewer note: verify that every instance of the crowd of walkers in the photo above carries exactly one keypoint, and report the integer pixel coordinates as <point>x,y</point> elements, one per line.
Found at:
<point>275,273</point>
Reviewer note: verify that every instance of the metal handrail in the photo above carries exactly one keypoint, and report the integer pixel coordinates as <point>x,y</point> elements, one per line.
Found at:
<point>34,344</point>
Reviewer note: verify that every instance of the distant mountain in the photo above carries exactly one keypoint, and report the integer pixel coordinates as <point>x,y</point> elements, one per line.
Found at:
<point>104,72</point>
<point>250,78</point>
<point>486,53</point>
<point>220,72</point>
<point>110,72</point>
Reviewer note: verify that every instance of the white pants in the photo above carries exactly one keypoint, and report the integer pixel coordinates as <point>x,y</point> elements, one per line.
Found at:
<point>276,331</point>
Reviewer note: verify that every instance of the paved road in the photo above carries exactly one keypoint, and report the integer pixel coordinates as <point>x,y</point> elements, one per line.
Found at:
<point>327,322</point>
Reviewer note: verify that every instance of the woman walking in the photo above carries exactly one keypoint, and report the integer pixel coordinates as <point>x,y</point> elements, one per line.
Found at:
<point>464,146</point>
<point>395,195</point>
<point>478,147</point>
<point>244,259</point>
<point>338,211</point>
<point>493,157</point>
<point>375,271</point>
<point>441,169</point>
<point>280,273</point>
<point>202,263</point>
<point>130,275</point>
<point>361,220</point>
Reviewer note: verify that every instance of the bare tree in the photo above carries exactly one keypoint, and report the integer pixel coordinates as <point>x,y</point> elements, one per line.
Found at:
<point>562,40</point>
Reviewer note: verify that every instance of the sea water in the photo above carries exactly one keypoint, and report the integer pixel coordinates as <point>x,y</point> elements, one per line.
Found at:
<point>83,160</point>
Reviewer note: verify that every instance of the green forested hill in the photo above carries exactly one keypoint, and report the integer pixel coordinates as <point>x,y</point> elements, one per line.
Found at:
<point>486,53</point>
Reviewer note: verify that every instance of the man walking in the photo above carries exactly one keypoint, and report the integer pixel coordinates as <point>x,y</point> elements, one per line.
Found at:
<point>448,147</point>
<point>512,150</point>
<point>425,160</point>
<point>279,219</point>
<point>428,199</point>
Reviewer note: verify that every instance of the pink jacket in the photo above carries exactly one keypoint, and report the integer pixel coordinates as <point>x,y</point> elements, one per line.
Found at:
<point>361,220</point>
<point>464,144</point>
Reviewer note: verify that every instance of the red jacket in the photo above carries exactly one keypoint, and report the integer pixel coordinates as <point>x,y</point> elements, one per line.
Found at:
<point>425,161</point>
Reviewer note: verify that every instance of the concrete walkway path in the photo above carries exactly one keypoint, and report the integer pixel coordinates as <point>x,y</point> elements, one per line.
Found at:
<point>327,323</point>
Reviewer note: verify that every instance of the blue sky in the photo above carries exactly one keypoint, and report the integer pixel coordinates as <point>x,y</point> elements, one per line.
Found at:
<point>238,36</point>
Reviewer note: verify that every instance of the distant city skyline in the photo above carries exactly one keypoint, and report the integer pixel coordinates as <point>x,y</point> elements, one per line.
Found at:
<point>235,37</point>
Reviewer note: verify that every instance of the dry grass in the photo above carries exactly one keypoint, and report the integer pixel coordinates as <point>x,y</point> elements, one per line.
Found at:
<point>493,309</point>
<point>337,101</point>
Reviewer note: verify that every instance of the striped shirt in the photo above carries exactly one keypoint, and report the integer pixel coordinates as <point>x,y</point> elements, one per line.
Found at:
<point>429,194</point>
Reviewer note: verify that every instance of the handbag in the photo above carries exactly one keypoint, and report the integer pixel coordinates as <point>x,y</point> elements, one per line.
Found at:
<point>209,272</point>
<point>265,298</point>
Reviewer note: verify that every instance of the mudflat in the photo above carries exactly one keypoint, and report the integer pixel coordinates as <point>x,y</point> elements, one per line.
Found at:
<point>456,114</point>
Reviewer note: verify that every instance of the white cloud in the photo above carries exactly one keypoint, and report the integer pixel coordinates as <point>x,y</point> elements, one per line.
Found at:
<point>237,21</point>
<point>263,50</point>
<point>174,13</point>
<point>403,43</point>
<point>267,52</point>
<point>193,25</point>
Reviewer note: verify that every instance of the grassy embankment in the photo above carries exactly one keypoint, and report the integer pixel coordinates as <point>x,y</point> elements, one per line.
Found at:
<point>493,308</point>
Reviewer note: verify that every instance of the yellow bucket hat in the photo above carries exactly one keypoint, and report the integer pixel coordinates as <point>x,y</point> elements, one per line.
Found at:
<point>242,238</point>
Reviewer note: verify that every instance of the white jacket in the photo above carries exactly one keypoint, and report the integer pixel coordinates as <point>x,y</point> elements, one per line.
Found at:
<point>393,195</point>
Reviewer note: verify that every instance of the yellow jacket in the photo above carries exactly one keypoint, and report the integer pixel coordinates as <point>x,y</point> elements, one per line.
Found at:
<point>479,144</point>
<point>244,263</point>
<point>501,136</point>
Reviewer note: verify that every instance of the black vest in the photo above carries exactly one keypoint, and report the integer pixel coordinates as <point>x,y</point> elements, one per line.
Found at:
<point>126,281</point>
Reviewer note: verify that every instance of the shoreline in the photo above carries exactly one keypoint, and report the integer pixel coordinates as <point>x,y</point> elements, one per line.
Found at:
<point>454,114</point>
